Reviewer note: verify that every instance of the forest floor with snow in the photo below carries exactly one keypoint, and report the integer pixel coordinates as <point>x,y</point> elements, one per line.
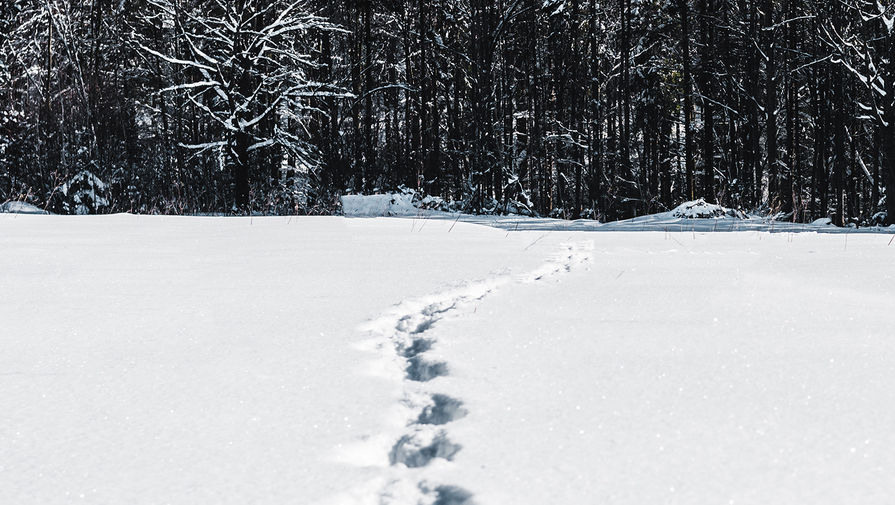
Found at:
<point>433,360</point>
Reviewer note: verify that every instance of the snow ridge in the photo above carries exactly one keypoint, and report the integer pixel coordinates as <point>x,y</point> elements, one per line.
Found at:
<point>425,440</point>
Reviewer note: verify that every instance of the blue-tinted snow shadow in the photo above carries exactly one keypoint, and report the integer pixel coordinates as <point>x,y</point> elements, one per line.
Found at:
<point>652,223</point>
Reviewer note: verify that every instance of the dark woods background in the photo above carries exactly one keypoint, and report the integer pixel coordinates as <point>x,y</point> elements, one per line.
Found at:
<point>572,108</point>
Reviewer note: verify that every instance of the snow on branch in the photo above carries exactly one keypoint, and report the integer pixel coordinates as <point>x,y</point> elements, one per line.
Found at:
<point>245,67</point>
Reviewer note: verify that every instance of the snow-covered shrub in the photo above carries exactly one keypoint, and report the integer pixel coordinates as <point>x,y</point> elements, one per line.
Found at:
<point>85,193</point>
<point>559,213</point>
<point>404,202</point>
<point>700,209</point>
<point>407,202</point>
<point>879,219</point>
<point>389,204</point>
<point>518,209</point>
<point>20,208</point>
<point>16,144</point>
<point>430,202</point>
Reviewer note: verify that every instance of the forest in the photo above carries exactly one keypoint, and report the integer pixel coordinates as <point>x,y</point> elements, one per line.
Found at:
<point>565,108</point>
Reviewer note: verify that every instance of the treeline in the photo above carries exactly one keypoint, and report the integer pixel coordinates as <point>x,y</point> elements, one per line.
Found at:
<point>571,108</point>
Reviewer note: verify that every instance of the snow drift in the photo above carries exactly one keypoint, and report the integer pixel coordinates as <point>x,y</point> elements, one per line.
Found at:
<point>700,209</point>
<point>390,204</point>
<point>20,208</point>
<point>405,202</point>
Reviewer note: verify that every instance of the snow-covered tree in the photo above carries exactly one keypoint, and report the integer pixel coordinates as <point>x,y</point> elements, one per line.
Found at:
<point>570,108</point>
<point>244,65</point>
<point>865,46</point>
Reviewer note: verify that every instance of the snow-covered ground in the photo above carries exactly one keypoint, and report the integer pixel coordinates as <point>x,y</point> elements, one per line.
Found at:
<point>433,360</point>
<point>695,216</point>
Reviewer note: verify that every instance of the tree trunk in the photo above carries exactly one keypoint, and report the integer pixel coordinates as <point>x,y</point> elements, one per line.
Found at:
<point>240,158</point>
<point>771,104</point>
<point>370,161</point>
<point>888,141</point>
<point>626,90</point>
<point>688,98</point>
<point>708,113</point>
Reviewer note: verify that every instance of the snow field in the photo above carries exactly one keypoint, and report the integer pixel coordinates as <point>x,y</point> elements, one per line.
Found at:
<point>725,368</point>
<point>427,361</point>
<point>206,360</point>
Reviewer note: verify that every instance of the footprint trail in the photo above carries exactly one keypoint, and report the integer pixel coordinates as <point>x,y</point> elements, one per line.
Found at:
<point>405,334</point>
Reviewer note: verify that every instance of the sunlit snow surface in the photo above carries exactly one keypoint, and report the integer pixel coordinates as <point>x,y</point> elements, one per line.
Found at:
<point>432,360</point>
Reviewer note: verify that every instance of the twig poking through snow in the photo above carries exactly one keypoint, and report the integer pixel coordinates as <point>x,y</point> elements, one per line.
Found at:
<point>535,242</point>
<point>455,222</point>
